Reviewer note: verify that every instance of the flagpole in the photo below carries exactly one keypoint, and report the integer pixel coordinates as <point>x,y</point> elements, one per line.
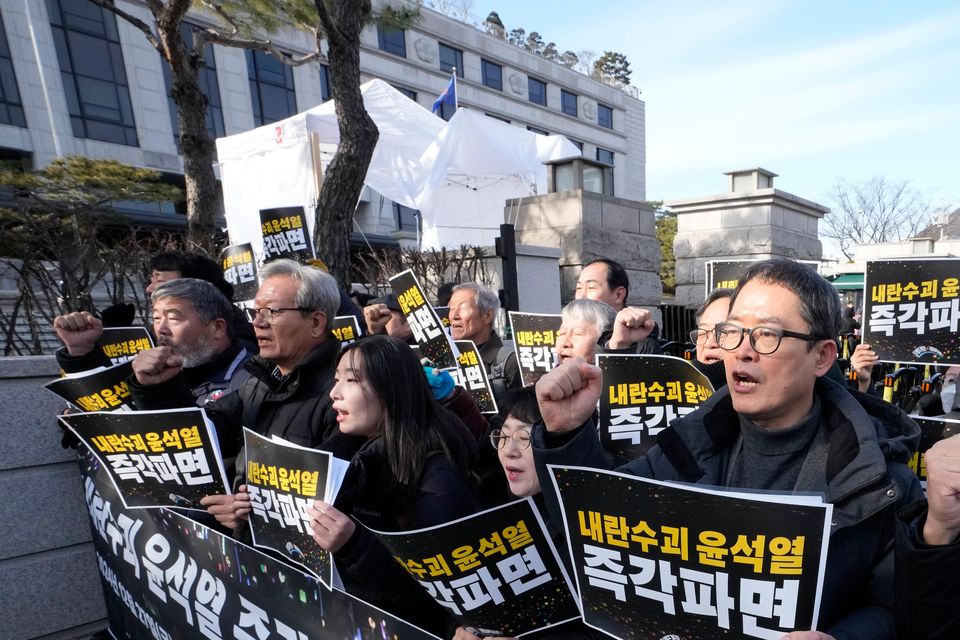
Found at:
<point>456,92</point>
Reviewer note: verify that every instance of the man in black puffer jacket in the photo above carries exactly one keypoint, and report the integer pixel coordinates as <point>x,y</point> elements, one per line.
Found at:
<point>780,425</point>
<point>287,391</point>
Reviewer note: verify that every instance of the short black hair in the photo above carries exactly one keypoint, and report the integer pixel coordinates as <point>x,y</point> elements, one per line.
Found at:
<point>717,294</point>
<point>616,275</point>
<point>521,404</point>
<point>819,301</point>
<point>192,265</point>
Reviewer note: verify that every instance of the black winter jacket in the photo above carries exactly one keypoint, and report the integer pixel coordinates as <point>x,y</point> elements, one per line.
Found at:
<point>928,597</point>
<point>866,479</point>
<point>366,567</point>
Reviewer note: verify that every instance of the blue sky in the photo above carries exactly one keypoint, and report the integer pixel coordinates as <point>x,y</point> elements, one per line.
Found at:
<point>812,90</point>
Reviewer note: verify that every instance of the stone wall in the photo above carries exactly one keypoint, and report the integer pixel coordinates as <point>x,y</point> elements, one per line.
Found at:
<point>49,582</point>
<point>584,226</point>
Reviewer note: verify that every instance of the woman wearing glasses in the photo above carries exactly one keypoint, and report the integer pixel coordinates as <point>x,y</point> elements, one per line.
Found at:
<point>410,474</point>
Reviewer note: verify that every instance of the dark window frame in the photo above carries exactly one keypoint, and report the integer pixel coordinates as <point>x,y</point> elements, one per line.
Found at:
<point>325,91</point>
<point>11,105</point>
<point>259,76</point>
<point>446,65</point>
<point>392,41</point>
<point>605,121</point>
<point>487,78</point>
<point>531,81</point>
<point>75,24</point>
<point>607,173</point>
<point>565,107</point>
<point>402,215</point>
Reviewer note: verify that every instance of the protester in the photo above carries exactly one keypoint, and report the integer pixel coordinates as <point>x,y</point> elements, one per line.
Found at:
<point>585,322</point>
<point>778,425</point>
<point>384,315</point>
<point>287,391</point>
<point>712,312</point>
<point>604,280</point>
<point>473,310</point>
<point>928,552</point>
<point>410,473</point>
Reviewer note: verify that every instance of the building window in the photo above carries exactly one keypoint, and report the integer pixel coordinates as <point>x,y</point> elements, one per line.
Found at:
<point>11,109</point>
<point>410,93</point>
<point>392,41</point>
<point>407,219</point>
<point>271,88</point>
<point>492,74</point>
<point>207,77</point>
<point>568,103</point>
<point>577,144</point>
<point>605,116</point>
<point>447,111</point>
<point>91,68</point>
<point>537,91</point>
<point>536,130</point>
<point>606,157</point>
<point>496,117</point>
<point>325,92</point>
<point>450,58</point>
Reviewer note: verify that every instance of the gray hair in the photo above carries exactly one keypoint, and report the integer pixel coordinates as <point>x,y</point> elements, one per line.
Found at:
<point>317,290</point>
<point>593,311</point>
<point>485,299</point>
<point>207,301</point>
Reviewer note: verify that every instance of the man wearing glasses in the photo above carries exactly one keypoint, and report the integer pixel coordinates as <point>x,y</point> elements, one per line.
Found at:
<point>778,425</point>
<point>287,391</point>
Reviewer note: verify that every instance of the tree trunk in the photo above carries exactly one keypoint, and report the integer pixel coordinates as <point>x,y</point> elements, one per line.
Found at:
<point>203,194</point>
<point>344,178</point>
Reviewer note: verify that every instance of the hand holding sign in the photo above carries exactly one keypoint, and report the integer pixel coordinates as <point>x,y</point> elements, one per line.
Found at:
<point>156,365</point>
<point>943,492</point>
<point>331,528</point>
<point>229,511</point>
<point>630,327</point>
<point>78,331</point>
<point>568,395</point>
<point>862,361</point>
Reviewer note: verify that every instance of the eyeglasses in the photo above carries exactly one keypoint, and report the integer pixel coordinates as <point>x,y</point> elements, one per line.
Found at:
<point>764,340</point>
<point>699,335</point>
<point>267,313</point>
<point>520,437</point>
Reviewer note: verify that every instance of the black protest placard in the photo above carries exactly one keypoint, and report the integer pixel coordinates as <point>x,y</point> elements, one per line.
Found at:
<point>535,343</point>
<point>472,376</point>
<point>121,344</point>
<point>641,395</point>
<point>285,234</point>
<point>166,577</point>
<point>444,314</point>
<point>428,332</point>
<point>655,560</point>
<point>155,458</point>
<point>496,571</point>
<point>346,329</point>
<point>932,430</point>
<point>912,310</point>
<point>240,270</point>
<point>102,389</point>
<point>725,274</point>
<point>283,480</point>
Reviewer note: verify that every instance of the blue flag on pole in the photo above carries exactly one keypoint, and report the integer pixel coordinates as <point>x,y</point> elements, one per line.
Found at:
<point>449,95</point>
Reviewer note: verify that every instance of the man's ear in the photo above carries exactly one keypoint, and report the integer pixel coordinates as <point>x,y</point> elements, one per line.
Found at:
<point>620,293</point>
<point>219,327</point>
<point>826,356</point>
<point>319,326</point>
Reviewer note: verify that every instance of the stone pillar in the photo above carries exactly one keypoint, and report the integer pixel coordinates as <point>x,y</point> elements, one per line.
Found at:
<point>585,225</point>
<point>752,221</point>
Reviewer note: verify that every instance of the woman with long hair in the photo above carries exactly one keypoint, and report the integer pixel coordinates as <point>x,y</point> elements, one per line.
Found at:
<point>410,474</point>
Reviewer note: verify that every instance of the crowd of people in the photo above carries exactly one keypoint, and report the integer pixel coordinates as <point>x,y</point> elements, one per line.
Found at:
<point>420,452</point>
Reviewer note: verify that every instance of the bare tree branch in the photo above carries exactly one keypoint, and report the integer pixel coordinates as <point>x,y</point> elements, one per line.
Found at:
<point>133,20</point>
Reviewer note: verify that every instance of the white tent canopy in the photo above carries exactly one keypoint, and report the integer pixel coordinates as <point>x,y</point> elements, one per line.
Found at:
<point>457,173</point>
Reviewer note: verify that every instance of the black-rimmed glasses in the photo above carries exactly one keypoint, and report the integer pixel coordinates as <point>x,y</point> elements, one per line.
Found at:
<point>764,340</point>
